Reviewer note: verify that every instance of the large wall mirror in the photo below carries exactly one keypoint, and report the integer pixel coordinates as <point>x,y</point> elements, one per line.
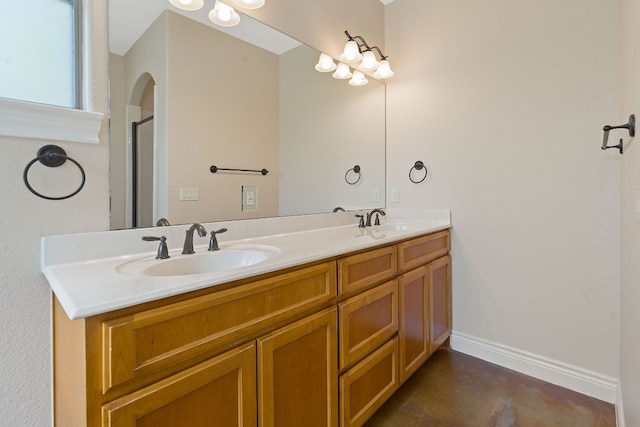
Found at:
<point>189,96</point>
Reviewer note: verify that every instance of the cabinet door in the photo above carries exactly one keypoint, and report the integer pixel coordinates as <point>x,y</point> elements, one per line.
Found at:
<point>218,392</point>
<point>414,321</point>
<point>440,300</point>
<point>298,373</point>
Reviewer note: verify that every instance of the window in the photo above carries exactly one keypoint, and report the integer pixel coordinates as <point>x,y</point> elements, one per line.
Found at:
<point>40,51</point>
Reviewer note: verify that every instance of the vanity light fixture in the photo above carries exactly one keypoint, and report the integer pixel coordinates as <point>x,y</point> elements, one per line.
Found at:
<point>221,14</point>
<point>361,57</point>
<point>224,15</point>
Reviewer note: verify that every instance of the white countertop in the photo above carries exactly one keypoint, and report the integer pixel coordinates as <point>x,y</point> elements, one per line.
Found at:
<point>87,285</point>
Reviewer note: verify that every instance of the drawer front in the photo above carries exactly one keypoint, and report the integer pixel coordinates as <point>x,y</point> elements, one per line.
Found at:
<point>420,251</point>
<point>360,271</point>
<point>159,339</point>
<point>367,321</point>
<point>366,386</point>
<point>220,392</point>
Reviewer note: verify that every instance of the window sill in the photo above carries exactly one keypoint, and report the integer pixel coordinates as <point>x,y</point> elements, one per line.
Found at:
<point>30,120</point>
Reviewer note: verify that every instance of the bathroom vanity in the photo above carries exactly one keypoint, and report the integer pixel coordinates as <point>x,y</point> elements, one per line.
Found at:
<point>324,341</point>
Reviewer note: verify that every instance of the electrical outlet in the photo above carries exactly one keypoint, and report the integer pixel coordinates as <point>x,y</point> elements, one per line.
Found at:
<point>249,197</point>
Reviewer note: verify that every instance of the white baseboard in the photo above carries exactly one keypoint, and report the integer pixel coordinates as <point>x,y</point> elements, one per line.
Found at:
<point>571,377</point>
<point>620,422</point>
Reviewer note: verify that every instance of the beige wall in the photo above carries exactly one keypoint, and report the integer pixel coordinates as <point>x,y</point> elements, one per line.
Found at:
<point>213,120</point>
<point>25,296</point>
<point>327,127</point>
<point>505,102</point>
<point>629,188</point>
<point>25,341</point>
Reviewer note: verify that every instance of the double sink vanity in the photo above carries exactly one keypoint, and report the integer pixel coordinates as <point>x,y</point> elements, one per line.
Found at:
<point>307,320</point>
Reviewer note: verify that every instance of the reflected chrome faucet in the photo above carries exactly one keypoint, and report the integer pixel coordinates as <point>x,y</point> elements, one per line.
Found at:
<point>370,214</point>
<point>188,240</point>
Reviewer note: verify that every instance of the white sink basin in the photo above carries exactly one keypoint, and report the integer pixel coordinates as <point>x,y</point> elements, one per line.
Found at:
<point>225,259</point>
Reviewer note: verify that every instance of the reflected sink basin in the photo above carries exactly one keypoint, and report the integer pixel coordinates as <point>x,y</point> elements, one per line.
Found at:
<point>397,226</point>
<point>225,259</point>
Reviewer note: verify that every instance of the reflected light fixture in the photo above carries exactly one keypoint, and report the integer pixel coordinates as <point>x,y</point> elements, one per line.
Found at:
<point>187,4</point>
<point>361,57</point>
<point>221,14</point>
<point>358,79</point>
<point>224,15</point>
<point>249,4</point>
<point>325,63</point>
<point>342,72</point>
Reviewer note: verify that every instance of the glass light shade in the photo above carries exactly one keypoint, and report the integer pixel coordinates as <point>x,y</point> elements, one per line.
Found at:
<point>342,72</point>
<point>224,15</point>
<point>369,61</point>
<point>249,4</point>
<point>187,4</point>
<point>325,63</point>
<point>384,70</point>
<point>351,52</point>
<point>358,79</point>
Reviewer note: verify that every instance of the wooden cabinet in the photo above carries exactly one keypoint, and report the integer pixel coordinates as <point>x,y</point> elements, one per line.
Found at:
<point>219,392</point>
<point>324,344</point>
<point>298,374</point>
<point>425,299</point>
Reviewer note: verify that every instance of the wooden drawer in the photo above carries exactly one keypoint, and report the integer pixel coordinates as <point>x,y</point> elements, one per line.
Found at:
<point>358,272</point>
<point>366,386</point>
<point>136,345</point>
<point>367,321</point>
<point>417,252</point>
<point>220,392</point>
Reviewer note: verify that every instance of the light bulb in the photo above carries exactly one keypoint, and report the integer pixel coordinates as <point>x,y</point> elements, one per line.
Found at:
<point>358,79</point>
<point>249,4</point>
<point>342,72</point>
<point>224,15</point>
<point>383,71</point>
<point>351,52</point>
<point>369,62</point>
<point>187,4</point>
<point>325,63</point>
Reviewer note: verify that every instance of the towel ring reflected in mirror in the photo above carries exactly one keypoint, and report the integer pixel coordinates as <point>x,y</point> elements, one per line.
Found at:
<point>356,171</point>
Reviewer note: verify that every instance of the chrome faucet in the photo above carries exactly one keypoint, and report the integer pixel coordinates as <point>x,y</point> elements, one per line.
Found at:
<point>370,214</point>
<point>188,240</point>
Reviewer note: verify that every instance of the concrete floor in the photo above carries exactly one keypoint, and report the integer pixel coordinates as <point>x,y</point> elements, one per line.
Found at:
<point>454,389</point>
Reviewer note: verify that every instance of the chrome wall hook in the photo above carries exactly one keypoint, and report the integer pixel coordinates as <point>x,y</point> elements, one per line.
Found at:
<point>630,126</point>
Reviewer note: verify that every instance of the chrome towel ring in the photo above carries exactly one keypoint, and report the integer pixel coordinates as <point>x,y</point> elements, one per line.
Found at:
<point>52,156</point>
<point>419,165</point>
<point>356,171</point>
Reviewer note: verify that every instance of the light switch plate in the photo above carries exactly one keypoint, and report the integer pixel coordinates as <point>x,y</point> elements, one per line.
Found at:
<point>188,194</point>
